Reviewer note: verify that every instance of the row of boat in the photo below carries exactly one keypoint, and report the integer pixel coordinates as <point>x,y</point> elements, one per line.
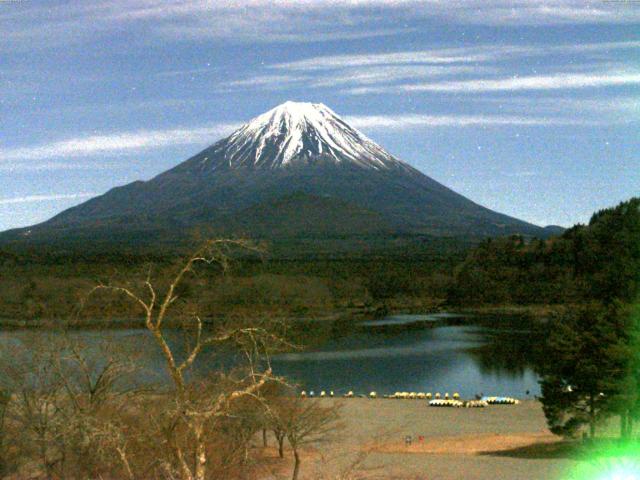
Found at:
<point>422,396</point>
<point>482,403</point>
<point>435,400</point>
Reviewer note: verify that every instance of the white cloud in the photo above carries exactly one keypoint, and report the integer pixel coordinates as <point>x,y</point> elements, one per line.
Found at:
<point>488,12</point>
<point>551,12</point>
<point>432,56</point>
<point>257,34</point>
<point>117,143</point>
<point>438,56</point>
<point>388,74</point>
<point>30,166</point>
<point>455,68</point>
<point>45,198</point>
<point>27,27</point>
<point>376,72</point>
<point>370,75</point>
<point>618,105</point>
<point>417,120</point>
<point>52,156</point>
<point>516,83</point>
<point>267,81</point>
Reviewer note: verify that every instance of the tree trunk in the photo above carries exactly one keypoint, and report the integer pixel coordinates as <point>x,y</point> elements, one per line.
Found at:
<point>624,424</point>
<point>264,437</point>
<point>280,445</point>
<point>296,465</point>
<point>201,453</point>
<point>184,468</point>
<point>592,417</point>
<point>44,457</point>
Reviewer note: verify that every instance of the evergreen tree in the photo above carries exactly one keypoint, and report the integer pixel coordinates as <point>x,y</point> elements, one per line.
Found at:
<point>609,259</point>
<point>626,402</point>
<point>586,369</point>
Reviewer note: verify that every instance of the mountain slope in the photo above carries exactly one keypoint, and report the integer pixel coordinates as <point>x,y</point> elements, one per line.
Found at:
<point>297,170</point>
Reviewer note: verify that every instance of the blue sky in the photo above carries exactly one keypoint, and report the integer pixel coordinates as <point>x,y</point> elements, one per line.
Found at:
<point>529,107</point>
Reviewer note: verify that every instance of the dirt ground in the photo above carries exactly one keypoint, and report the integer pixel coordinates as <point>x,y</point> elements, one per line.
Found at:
<point>486,443</point>
<point>497,442</point>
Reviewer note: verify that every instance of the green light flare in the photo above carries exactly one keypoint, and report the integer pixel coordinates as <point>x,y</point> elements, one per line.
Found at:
<point>619,462</point>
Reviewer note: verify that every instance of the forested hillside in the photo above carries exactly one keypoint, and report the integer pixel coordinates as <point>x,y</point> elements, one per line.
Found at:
<point>600,261</point>
<point>586,262</point>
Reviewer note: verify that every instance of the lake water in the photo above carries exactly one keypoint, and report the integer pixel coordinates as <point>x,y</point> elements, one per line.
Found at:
<point>421,353</point>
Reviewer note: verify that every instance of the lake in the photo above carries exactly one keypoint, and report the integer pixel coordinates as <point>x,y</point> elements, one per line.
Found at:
<point>420,353</point>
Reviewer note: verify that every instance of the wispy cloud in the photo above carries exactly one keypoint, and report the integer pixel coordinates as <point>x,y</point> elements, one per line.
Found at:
<point>28,27</point>
<point>45,198</point>
<point>370,75</point>
<point>415,120</point>
<point>435,56</point>
<point>259,35</point>
<point>52,156</point>
<point>515,83</point>
<point>118,143</point>
<point>389,74</point>
<point>19,166</point>
<point>417,70</point>
<point>491,12</point>
<point>618,105</point>
<point>267,81</point>
<point>431,56</point>
<point>542,12</point>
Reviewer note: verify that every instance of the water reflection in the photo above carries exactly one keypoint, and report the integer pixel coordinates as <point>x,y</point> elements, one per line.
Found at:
<point>510,352</point>
<point>393,354</point>
<point>424,355</point>
<point>411,320</point>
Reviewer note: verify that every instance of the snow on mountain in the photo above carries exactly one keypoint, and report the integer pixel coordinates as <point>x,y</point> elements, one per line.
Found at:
<point>299,133</point>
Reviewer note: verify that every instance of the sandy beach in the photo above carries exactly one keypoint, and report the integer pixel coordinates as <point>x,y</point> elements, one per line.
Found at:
<point>497,442</point>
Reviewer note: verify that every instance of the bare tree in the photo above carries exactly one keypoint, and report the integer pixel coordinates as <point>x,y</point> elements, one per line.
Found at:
<point>64,398</point>
<point>350,467</point>
<point>195,410</point>
<point>303,422</point>
<point>102,386</point>
<point>35,408</point>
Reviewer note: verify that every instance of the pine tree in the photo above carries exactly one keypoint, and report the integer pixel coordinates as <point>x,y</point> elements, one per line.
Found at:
<point>626,402</point>
<point>585,369</point>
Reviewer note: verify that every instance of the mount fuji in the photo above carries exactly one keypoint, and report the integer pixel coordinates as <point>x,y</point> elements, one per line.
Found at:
<point>296,171</point>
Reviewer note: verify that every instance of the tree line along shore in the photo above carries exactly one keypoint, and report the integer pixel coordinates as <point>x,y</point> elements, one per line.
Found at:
<point>512,274</point>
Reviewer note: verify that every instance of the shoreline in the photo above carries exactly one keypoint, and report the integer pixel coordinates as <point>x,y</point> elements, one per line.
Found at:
<point>536,313</point>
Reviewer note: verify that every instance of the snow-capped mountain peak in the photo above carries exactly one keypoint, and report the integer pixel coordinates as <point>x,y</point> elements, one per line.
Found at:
<point>300,133</point>
<point>295,173</point>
